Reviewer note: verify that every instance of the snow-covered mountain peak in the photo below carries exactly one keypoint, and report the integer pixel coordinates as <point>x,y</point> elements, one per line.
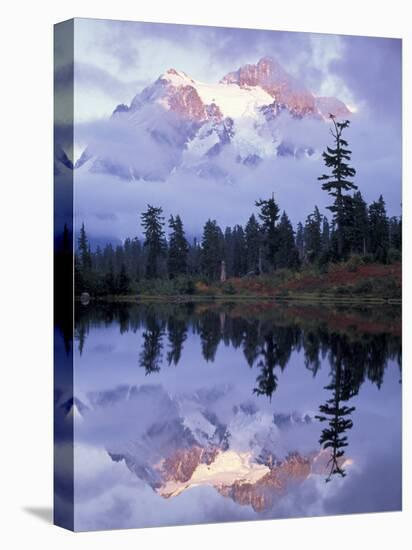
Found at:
<point>203,438</point>
<point>176,91</point>
<point>277,82</point>
<point>206,128</point>
<point>265,72</point>
<point>176,78</point>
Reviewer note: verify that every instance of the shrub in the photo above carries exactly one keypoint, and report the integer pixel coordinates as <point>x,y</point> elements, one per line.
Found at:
<point>323,268</point>
<point>342,290</point>
<point>228,288</point>
<point>354,263</point>
<point>394,255</point>
<point>363,287</point>
<point>367,259</point>
<point>190,287</point>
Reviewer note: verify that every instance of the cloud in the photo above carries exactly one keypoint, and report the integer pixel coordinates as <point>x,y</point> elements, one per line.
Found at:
<point>206,53</point>
<point>114,60</point>
<point>151,151</point>
<point>91,76</point>
<point>130,504</point>
<point>372,69</point>
<point>230,201</point>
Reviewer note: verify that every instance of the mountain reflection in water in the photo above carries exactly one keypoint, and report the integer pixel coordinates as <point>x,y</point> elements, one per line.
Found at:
<point>253,400</point>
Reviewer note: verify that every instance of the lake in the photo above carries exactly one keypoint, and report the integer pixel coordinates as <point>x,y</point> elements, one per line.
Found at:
<point>206,412</point>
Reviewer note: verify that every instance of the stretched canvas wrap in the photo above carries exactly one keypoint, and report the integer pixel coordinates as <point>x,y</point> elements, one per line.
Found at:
<point>227,274</point>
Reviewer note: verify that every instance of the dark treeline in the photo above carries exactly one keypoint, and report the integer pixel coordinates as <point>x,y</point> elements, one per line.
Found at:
<point>266,243</point>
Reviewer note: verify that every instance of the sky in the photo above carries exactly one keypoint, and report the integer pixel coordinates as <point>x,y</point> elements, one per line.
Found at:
<point>116,60</point>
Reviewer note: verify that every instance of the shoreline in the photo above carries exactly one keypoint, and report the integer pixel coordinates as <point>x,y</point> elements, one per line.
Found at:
<point>199,298</point>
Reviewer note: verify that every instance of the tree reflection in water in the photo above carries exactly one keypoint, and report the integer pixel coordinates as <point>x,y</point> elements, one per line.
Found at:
<point>267,337</point>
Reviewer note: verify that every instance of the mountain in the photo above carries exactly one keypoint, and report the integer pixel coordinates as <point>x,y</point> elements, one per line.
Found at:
<point>270,76</point>
<point>178,123</point>
<point>188,441</point>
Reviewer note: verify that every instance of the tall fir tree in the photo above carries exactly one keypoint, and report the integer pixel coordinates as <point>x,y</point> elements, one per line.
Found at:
<point>335,412</point>
<point>287,254</point>
<point>378,230</point>
<point>84,251</point>
<point>136,260</point>
<point>252,244</point>
<point>348,223</point>
<point>178,248</point>
<point>395,233</point>
<point>97,260</point>
<point>152,222</point>
<point>212,250</point>
<point>325,244</point>
<point>194,258</point>
<point>177,334</point>
<point>110,285</point>
<point>359,231</point>
<point>300,241</point>
<point>313,235</point>
<point>337,183</point>
<point>123,284</point>
<point>108,257</point>
<point>83,274</point>
<point>239,251</point>
<point>150,357</point>
<point>269,215</point>
<point>229,250</point>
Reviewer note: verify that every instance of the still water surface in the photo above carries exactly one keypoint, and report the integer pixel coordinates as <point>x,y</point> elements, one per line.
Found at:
<point>193,413</point>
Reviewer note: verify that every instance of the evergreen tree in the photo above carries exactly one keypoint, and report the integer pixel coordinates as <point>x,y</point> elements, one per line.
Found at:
<point>251,341</point>
<point>210,334</point>
<point>135,259</point>
<point>123,284</point>
<point>252,244</point>
<point>395,233</point>
<point>287,254</point>
<point>84,251</point>
<point>267,379</point>
<point>97,260</point>
<point>194,258</point>
<point>300,241</point>
<point>333,243</point>
<point>239,251</point>
<point>313,236</point>
<point>150,357</point>
<point>119,259</point>
<point>108,257</point>
<point>212,250</point>
<point>378,230</point>
<point>325,244</point>
<point>336,413</point>
<point>275,350</point>
<point>178,248</point>
<point>229,250</point>
<point>110,280</point>
<point>348,222</point>
<point>337,183</point>
<point>359,230</point>
<point>177,334</point>
<point>152,222</point>
<point>83,264</point>
<point>269,215</point>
